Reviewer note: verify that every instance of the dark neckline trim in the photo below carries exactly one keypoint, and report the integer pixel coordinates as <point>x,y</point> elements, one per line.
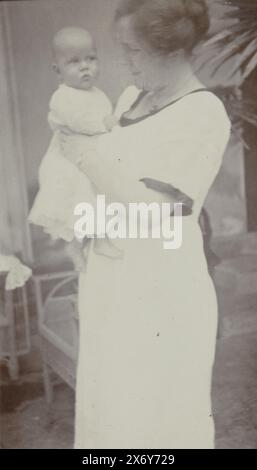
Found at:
<point>125,121</point>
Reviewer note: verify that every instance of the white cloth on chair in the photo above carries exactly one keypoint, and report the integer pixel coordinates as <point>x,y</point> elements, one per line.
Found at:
<point>18,273</point>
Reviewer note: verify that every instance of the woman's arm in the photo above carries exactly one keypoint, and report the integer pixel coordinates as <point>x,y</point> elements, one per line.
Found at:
<point>116,181</point>
<point>168,188</point>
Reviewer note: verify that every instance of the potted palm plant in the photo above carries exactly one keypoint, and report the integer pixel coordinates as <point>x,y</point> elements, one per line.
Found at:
<point>239,38</point>
<point>234,43</point>
<point>231,51</point>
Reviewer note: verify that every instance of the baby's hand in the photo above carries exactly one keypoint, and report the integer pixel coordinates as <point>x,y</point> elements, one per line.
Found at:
<point>110,122</point>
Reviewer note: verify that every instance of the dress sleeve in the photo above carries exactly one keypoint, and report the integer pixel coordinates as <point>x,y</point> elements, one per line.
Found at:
<point>190,159</point>
<point>185,153</point>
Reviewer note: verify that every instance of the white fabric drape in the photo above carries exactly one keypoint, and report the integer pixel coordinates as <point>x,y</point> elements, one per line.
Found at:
<point>14,233</point>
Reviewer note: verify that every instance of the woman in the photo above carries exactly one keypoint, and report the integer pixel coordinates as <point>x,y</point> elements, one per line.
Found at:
<point>148,320</point>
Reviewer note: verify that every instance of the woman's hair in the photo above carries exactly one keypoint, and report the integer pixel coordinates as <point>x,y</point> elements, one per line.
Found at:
<point>168,25</point>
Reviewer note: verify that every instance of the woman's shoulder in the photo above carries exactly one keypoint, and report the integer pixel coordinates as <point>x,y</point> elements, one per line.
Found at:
<point>203,105</point>
<point>201,112</point>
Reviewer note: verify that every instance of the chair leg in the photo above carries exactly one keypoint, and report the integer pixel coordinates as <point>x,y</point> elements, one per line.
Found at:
<point>13,359</point>
<point>46,377</point>
<point>13,367</point>
<point>47,383</point>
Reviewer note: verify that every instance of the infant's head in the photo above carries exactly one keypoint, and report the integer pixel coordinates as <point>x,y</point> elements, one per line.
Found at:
<point>75,58</point>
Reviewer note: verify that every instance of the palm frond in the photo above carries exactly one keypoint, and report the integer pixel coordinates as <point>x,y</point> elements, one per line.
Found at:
<point>239,39</point>
<point>239,109</point>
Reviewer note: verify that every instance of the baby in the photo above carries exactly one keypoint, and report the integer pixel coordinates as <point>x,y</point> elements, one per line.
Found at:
<point>79,106</point>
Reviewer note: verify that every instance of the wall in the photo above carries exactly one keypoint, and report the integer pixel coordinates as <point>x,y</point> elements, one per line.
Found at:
<point>33,24</point>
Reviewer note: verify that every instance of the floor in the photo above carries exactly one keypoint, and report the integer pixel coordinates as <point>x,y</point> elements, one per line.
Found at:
<point>28,422</point>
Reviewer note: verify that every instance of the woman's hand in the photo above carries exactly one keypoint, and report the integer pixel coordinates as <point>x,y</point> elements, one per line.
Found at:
<point>65,130</point>
<point>110,122</point>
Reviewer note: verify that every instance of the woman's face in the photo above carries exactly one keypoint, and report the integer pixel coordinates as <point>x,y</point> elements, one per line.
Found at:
<point>148,67</point>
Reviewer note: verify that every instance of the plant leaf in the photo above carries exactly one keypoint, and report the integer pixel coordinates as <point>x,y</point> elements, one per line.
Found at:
<point>251,66</point>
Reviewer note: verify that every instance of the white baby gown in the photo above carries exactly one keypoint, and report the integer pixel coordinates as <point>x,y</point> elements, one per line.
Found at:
<point>62,185</point>
<point>148,321</point>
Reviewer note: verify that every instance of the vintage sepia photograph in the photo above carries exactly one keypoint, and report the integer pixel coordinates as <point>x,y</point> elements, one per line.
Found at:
<point>128,224</point>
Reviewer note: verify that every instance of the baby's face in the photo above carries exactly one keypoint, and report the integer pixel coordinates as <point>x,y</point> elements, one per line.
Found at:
<point>77,63</point>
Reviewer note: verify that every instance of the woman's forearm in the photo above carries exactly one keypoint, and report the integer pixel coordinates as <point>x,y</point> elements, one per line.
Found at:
<point>119,185</point>
<point>114,179</point>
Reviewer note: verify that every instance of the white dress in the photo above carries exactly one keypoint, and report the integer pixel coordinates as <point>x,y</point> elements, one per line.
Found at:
<point>62,185</point>
<point>148,321</point>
